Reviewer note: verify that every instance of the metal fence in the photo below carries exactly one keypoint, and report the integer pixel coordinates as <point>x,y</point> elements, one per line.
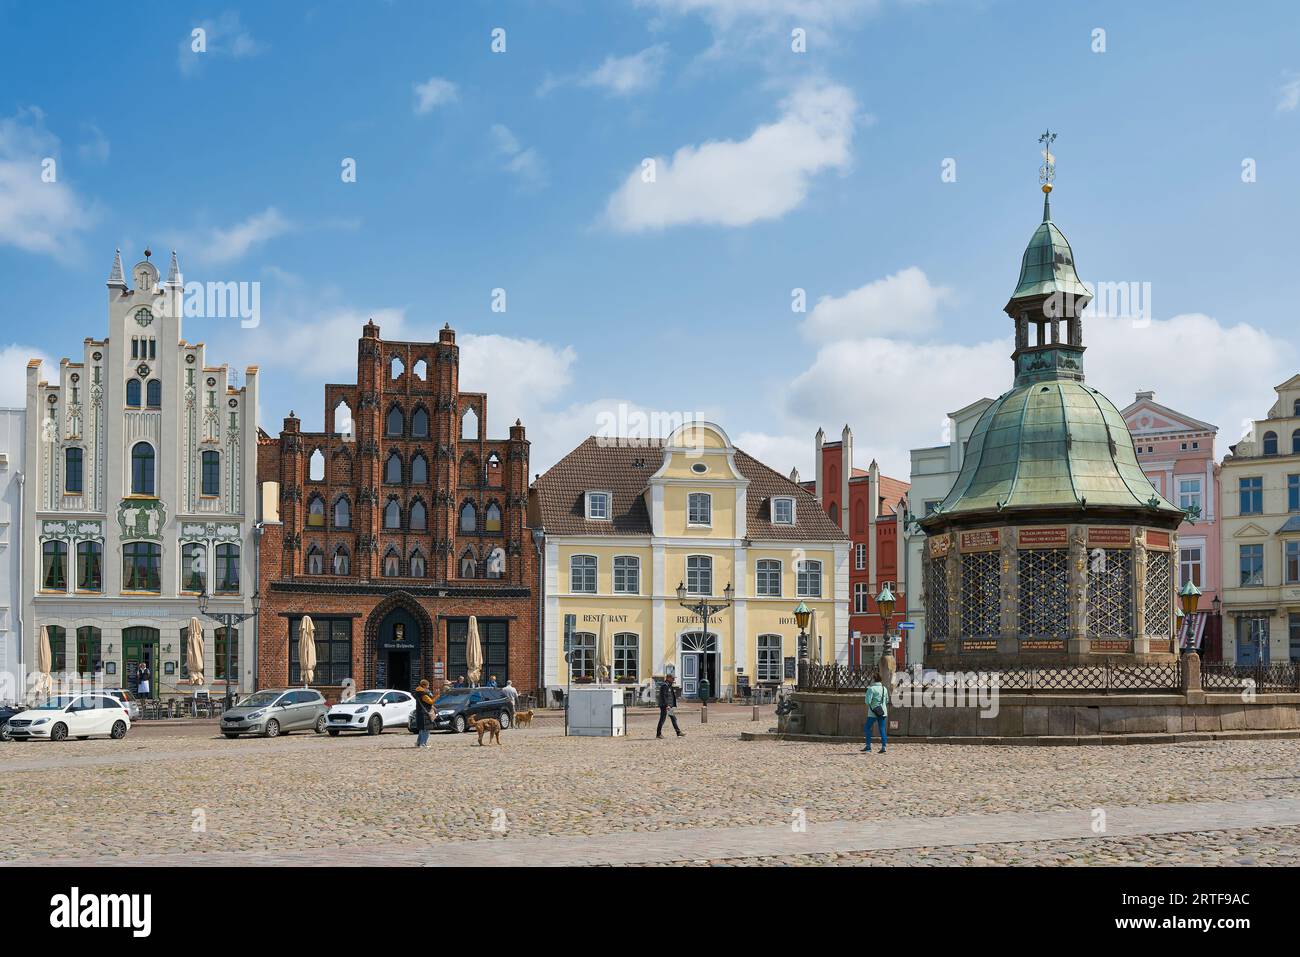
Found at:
<point>1105,677</point>
<point>1219,676</point>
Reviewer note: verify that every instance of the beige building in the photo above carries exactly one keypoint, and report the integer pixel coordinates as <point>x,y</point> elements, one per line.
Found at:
<point>1260,479</point>
<point>628,523</point>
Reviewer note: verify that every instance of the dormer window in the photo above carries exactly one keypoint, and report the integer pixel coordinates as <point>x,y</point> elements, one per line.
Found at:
<point>783,511</point>
<point>598,506</point>
<point>699,508</point>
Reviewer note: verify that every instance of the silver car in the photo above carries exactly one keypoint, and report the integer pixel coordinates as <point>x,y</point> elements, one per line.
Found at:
<point>276,711</point>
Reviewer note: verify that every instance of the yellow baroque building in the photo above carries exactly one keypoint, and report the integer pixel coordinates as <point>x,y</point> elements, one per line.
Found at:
<point>626,523</point>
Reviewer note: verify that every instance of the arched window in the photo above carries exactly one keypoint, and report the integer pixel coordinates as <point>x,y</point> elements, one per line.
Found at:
<point>626,648</point>
<point>392,564</point>
<point>90,565</point>
<point>316,467</point>
<point>154,394</point>
<point>316,512</point>
<point>342,561</point>
<point>468,566</point>
<point>835,513</point>
<point>496,563</point>
<point>142,566</point>
<point>393,469</point>
<point>768,581</point>
<point>420,424</point>
<point>227,569</point>
<point>194,574</point>
<point>211,472</point>
<point>469,425</point>
<point>421,369</point>
<point>315,561</point>
<point>1270,443</point>
<point>72,473</point>
<point>417,565</point>
<point>419,469</point>
<point>418,522</point>
<point>808,579</point>
<point>392,514</point>
<point>627,575</point>
<point>342,512</point>
<point>395,367</point>
<point>468,518</point>
<point>343,420</point>
<point>492,518</point>
<point>142,469</point>
<point>133,393</point>
<point>395,422</point>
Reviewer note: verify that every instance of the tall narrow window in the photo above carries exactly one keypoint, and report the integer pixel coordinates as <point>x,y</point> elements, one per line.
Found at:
<point>492,518</point>
<point>1251,495</point>
<point>211,472</point>
<point>142,566</point>
<point>582,574</point>
<point>227,569</point>
<point>418,520</point>
<point>392,565</point>
<point>419,470</point>
<point>809,579</point>
<point>627,575</point>
<point>90,566</point>
<point>395,422</point>
<point>342,513</point>
<point>1270,443</point>
<point>133,393</point>
<point>342,561</point>
<point>155,393</point>
<point>768,666</point>
<point>420,424</point>
<point>226,643</point>
<point>417,565</point>
<point>72,473</point>
<point>142,469</point>
<point>699,575</point>
<point>767,583</point>
<point>1252,565</point>
<point>392,514</point>
<point>626,657</point>
<point>89,642</point>
<point>194,573</point>
<point>393,469</point>
<point>315,512</point>
<point>54,566</point>
<point>468,518</point>
<point>315,561</point>
<point>699,509</point>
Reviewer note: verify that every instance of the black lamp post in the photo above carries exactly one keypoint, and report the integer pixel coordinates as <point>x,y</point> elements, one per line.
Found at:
<point>1189,597</point>
<point>705,608</point>
<point>885,605</point>
<point>228,620</point>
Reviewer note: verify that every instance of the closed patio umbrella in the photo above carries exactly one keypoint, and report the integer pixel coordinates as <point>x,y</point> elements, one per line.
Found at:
<point>44,662</point>
<point>473,652</point>
<point>307,650</point>
<point>194,652</point>
<point>603,655</point>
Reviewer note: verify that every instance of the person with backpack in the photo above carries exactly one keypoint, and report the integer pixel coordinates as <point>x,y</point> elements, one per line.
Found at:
<point>877,710</point>
<point>424,700</point>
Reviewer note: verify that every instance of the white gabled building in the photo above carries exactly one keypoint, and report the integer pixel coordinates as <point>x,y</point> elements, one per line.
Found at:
<point>140,493</point>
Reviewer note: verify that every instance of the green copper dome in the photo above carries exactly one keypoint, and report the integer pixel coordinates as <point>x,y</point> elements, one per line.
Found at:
<point>1048,263</point>
<point>1055,444</point>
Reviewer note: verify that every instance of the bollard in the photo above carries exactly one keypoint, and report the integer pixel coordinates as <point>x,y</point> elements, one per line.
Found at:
<point>755,717</point>
<point>704,713</point>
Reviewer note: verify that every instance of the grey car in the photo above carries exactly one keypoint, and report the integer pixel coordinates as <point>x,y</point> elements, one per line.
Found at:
<point>276,711</point>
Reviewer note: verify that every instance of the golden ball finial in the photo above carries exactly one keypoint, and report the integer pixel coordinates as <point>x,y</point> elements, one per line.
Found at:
<point>1047,187</point>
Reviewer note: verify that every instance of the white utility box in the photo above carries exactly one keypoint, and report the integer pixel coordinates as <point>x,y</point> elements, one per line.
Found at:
<point>597,711</point>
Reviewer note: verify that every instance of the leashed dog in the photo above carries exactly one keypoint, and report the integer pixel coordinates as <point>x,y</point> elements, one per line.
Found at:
<point>523,719</point>
<point>488,726</point>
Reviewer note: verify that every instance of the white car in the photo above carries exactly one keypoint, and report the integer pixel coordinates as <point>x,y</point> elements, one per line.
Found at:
<point>77,715</point>
<point>371,712</point>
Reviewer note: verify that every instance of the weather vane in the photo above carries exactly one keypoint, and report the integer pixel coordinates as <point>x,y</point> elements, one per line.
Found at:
<point>1047,172</point>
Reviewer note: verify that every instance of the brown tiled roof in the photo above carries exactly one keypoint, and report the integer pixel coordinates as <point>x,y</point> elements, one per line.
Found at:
<point>625,472</point>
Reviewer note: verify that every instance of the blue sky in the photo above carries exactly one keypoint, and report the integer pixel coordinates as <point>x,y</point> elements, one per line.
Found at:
<point>775,171</point>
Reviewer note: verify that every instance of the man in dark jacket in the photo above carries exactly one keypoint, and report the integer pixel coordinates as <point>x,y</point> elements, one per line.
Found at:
<point>424,700</point>
<point>667,705</point>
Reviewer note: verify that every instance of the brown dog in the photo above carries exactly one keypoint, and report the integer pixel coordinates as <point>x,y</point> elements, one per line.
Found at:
<point>488,726</point>
<point>523,719</point>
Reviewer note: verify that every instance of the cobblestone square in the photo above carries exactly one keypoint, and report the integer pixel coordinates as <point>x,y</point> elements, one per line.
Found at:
<point>169,794</point>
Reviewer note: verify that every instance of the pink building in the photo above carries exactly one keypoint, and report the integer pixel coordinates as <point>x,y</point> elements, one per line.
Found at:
<point>1176,452</point>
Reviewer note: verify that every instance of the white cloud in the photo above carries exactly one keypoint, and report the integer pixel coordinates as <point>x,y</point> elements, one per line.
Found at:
<point>13,373</point>
<point>735,183</point>
<point>623,76</point>
<point>37,215</point>
<point>904,304</point>
<point>434,92</point>
<point>1288,95</point>
<point>523,162</point>
<point>226,244</point>
<point>224,36</point>
<point>780,452</point>
<point>744,22</point>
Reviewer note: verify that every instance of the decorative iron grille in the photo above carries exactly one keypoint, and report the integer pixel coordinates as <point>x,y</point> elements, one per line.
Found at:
<point>1110,593</point>
<point>981,605</point>
<point>1104,677</point>
<point>1044,593</point>
<point>936,599</point>
<point>1217,676</point>
<point>1160,595</point>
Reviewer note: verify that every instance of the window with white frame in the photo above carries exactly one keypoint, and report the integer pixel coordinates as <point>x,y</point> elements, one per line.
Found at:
<point>767,578</point>
<point>809,579</point>
<point>1291,563</point>
<point>1189,493</point>
<point>861,598</point>
<point>783,511</point>
<point>768,665</point>
<point>626,656</point>
<point>598,506</point>
<point>699,508</point>
<point>1191,565</point>
<point>860,556</point>
<point>699,575</point>
<point>582,574</point>
<point>627,575</point>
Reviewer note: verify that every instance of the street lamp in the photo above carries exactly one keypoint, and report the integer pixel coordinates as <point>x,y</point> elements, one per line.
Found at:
<point>228,620</point>
<point>885,602</point>
<point>801,615</point>
<point>1189,597</point>
<point>705,609</point>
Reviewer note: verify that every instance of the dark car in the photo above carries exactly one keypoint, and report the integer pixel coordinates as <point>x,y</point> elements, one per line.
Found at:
<point>453,710</point>
<point>7,711</point>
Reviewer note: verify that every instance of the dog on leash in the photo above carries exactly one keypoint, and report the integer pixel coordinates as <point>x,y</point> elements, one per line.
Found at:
<point>523,719</point>
<point>488,726</point>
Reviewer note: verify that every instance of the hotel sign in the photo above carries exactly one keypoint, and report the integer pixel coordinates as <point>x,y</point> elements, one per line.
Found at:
<point>1043,538</point>
<point>1110,537</point>
<point>981,540</point>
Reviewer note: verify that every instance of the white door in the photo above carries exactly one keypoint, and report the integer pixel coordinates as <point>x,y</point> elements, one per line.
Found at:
<point>397,708</point>
<point>82,718</point>
<point>690,674</point>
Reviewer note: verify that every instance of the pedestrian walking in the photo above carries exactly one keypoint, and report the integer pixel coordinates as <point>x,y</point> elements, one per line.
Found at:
<point>667,707</point>
<point>877,710</point>
<point>512,693</point>
<point>423,712</point>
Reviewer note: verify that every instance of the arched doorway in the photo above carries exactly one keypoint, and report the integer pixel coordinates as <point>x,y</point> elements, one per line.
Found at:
<point>140,646</point>
<point>398,648</point>
<point>699,658</point>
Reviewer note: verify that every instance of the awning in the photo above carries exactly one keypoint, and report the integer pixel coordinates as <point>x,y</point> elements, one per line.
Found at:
<point>1193,631</point>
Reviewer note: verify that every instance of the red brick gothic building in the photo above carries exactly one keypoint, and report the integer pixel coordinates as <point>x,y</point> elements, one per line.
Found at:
<point>393,526</point>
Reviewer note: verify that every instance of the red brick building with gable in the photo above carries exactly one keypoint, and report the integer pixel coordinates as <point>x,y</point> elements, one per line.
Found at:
<point>395,525</point>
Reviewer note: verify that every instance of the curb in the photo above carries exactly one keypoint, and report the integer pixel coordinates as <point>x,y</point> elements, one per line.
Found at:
<point>1040,740</point>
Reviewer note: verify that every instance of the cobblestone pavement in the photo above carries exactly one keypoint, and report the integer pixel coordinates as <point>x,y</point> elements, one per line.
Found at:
<point>166,794</point>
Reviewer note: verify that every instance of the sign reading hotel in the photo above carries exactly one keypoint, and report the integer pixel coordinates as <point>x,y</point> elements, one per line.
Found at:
<point>1043,538</point>
<point>1110,537</point>
<point>981,540</point>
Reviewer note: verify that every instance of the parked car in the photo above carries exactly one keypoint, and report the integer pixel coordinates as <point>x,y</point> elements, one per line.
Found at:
<point>371,712</point>
<point>131,701</point>
<point>274,712</point>
<point>452,711</point>
<point>76,715</point>
<point>7,711</point>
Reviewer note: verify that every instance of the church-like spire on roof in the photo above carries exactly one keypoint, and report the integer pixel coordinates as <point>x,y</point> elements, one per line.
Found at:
<point>116,277</point>
<point>174,271</point>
